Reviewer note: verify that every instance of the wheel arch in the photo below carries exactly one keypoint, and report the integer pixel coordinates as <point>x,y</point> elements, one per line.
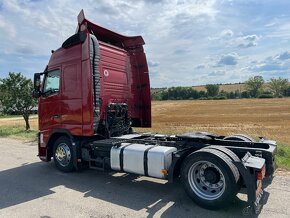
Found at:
<point>56,134</point>
<point>175,167</point>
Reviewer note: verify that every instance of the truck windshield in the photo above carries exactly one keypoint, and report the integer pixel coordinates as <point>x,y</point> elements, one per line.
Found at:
<point>51,82</point>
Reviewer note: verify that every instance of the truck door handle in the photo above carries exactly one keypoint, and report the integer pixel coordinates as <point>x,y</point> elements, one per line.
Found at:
<point>56,116</point>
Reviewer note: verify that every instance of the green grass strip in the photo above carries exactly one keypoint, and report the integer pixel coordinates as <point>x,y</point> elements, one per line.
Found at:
<point>283,156</point>
<point>17,132</point>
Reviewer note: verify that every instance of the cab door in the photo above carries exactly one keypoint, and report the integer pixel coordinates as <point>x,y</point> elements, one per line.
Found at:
<point>71,97</point>
<point>49,105</point>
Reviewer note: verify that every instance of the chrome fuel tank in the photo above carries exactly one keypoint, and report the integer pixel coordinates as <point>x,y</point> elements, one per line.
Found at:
<point>148,160</point>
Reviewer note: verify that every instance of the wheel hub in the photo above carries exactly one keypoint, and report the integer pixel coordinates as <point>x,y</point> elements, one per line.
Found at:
<point>211,175</point>
<point>63,154</point>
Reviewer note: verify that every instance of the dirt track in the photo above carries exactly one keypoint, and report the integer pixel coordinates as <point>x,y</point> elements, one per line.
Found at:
<point>31,188</point>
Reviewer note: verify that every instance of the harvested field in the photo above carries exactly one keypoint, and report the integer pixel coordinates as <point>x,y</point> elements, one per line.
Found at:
<point>256,117</point>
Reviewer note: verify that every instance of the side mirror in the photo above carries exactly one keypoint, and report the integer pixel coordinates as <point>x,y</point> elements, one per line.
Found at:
<point>36,85</point>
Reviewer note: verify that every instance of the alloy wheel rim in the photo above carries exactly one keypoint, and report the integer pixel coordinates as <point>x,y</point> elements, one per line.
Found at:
<point>206,180</point>
<point>63,154</point>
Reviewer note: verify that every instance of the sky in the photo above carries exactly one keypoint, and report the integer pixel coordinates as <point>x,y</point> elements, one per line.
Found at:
<point>188,42</point>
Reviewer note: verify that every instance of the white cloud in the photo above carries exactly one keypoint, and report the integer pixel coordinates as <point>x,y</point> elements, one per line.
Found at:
<point>219,73</point>
<point>247,41</point>
<point>7,27</point>
<point>228,59</point>
<point>182,36</point>
<point>152,64</point>
<point>227,38</point>
<point>276,64</point>
<point>224,35</point>
<point>263,67</point>
<point>283,56</point>
<point>200,66</point>
<point>280,30</point>
<point>227,33</point>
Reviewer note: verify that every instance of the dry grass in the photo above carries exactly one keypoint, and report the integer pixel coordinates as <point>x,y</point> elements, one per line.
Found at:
<point>19,122</point>
<point>14,127</point>
<point>256,117</point>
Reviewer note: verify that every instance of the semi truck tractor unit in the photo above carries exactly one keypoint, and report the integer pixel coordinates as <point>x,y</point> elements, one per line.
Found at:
<point>92,93</point>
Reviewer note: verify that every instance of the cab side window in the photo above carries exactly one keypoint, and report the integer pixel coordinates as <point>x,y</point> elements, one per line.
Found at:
<point>51,82</point>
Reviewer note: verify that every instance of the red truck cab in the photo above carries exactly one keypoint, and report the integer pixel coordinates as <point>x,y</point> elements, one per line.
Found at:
<point>96,84</point>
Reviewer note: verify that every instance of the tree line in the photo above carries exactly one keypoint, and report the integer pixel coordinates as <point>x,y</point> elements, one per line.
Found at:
<point>255,87</point>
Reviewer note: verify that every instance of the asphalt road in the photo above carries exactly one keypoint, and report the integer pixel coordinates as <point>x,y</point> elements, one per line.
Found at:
<point>31,188</point>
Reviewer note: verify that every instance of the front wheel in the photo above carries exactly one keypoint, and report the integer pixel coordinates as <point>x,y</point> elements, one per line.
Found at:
<point>63,154</point>
<point>210,178</point>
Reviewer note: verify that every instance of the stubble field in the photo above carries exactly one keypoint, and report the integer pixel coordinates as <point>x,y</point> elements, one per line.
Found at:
<point>256,117</point>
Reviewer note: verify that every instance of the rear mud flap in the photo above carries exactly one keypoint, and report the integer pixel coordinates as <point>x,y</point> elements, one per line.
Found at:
<point>256,195</point>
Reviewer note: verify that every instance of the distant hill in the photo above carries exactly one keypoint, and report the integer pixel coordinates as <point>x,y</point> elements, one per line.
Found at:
<point>224,87</point>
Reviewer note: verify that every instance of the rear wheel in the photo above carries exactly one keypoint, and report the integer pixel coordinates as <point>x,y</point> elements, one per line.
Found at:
<point>63,154</point>
<point>210,178</point>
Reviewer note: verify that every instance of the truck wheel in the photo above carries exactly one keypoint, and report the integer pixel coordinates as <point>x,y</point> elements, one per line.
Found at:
<point>210,178</point>
<point>63,154</point>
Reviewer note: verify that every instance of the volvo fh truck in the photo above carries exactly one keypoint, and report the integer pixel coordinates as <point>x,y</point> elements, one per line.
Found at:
<point>92,93</point>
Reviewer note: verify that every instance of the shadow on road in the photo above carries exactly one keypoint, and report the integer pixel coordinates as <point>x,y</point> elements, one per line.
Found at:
<point>32,181</point>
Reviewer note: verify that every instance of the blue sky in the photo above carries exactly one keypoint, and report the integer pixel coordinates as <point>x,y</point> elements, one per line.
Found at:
<point>187,42</point>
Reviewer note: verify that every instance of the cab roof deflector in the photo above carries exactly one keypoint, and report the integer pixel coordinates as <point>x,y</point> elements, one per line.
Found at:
<point>106,35</point>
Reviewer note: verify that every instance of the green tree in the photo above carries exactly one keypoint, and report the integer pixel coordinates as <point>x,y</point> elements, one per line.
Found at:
<point>212,90</point>
<point>287,91</point>
<point>156,96</point>
<point>254,85</point>
<point>16,96</point>
<point>278,86</point>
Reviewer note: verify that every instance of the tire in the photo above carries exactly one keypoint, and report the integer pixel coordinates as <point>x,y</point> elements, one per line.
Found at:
<point>240,137</point>
<point>226,151</point>
<point>210,178</point>
<point>232,156</point>
<point>63,154</point>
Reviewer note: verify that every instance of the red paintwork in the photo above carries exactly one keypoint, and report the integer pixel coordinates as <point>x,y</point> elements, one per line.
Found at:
<point>127,82</point>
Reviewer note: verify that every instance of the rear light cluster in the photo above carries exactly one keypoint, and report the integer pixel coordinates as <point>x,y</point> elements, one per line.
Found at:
<point>261,173</point>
